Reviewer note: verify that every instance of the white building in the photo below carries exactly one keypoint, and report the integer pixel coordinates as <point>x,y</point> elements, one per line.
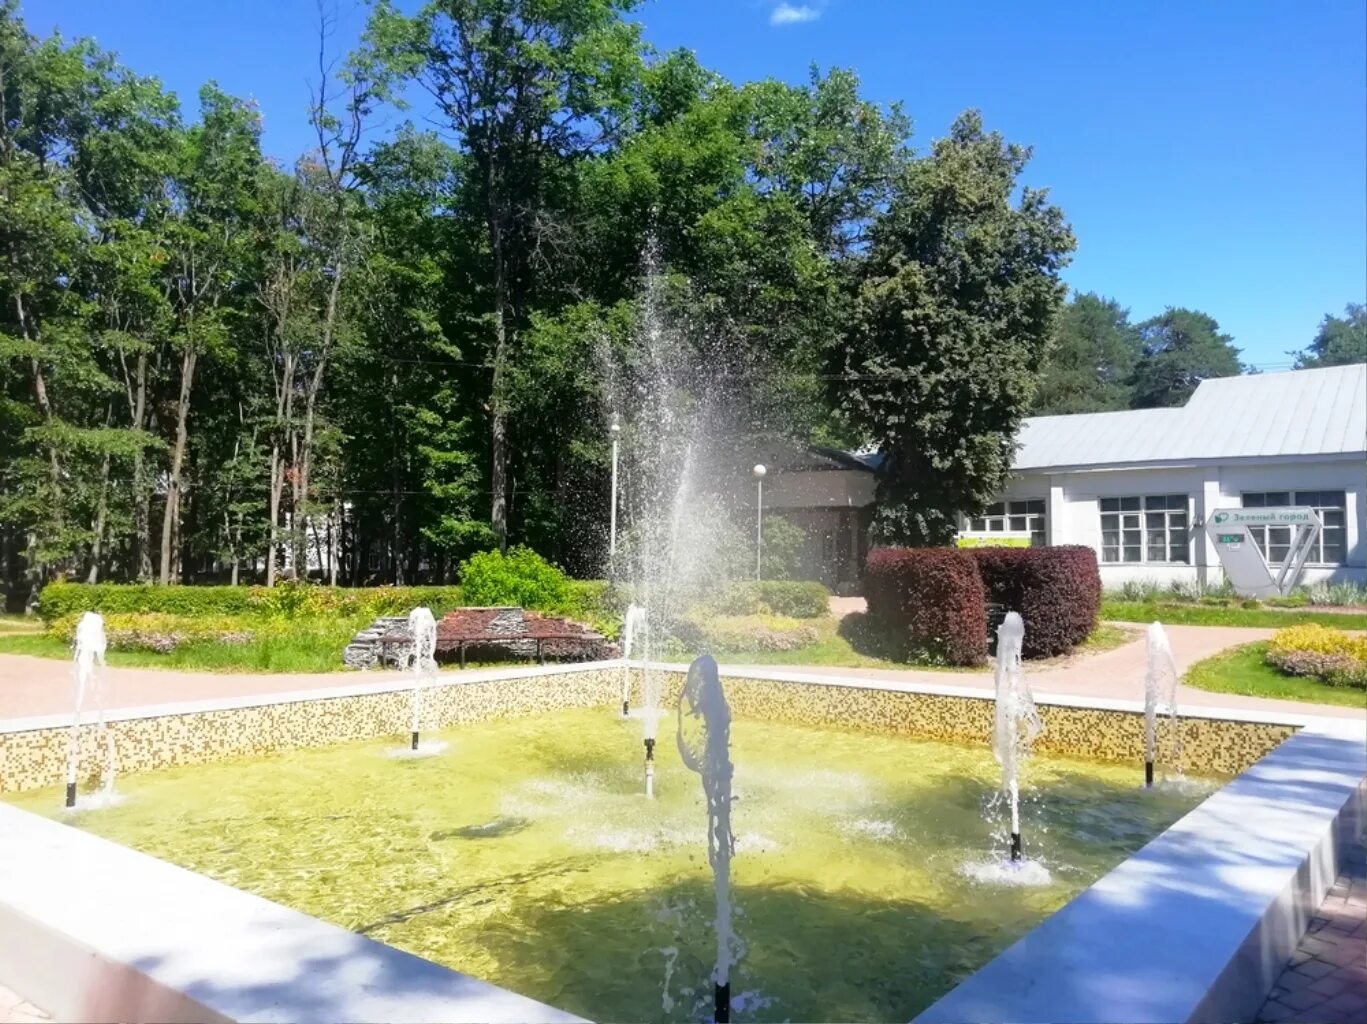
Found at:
<point>1136,486</point>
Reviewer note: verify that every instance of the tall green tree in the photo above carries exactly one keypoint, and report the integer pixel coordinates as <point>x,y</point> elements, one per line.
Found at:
<point>1339,340</point>
<point>527,86</point>
<point>1181,348</point>
<point>1091,359</point>
<point>953,316</point>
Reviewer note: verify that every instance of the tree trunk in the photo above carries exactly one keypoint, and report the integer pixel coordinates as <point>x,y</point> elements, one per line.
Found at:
<point>101,512</point>
<point>142,493</point>
<point>284,411</point>
<point>172,512</point>
<point>498,475</point>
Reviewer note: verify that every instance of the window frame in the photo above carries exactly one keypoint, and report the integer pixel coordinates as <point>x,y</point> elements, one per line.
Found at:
<point>1138,506</point>
<point>1000,521</point>
<point>1259,533</point>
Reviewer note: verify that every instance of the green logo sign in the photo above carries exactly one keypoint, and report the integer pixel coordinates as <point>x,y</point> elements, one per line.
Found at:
<point>1220,517</point>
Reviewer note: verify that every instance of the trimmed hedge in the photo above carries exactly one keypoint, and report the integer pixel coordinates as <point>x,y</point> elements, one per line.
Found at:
<point>291,600</point>
<point>932,599</point>
<point>797,599</point>
<point>1057,591</point>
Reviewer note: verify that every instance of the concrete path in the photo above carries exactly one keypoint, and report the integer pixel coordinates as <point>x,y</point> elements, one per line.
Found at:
<point>1117,673</point>
<point>1326,980</point>
<point>42,686</point>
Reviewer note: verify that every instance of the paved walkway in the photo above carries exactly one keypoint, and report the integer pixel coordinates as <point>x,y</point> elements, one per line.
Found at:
<point>1117,673</point>
<point>14,1009</point>
<point>42,686</point>
<point>1326,979</point>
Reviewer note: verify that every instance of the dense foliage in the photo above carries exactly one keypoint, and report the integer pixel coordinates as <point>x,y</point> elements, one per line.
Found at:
<point>289,601</point>
<point>518,577</point>
<point>931,600</point>
<point>1056,590</point>
<point>393,351</point>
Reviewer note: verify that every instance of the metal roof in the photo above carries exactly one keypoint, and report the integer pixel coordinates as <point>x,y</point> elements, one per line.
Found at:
<point>1297,412</point>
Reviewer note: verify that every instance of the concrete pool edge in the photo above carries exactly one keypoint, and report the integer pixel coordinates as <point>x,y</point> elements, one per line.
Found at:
<point>1123,963</point>
<point>1197,924</point>
<point>146,738</point>
<point>203,951</point>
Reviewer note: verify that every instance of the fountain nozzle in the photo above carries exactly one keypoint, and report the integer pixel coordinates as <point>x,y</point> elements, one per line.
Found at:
<point>71,794</point>
<point>1148,775</point>
<point>626,709</point>
<point>414,745</point>
<point>1015,846</point>
<point>650,766</point>
<point>721,1003</point>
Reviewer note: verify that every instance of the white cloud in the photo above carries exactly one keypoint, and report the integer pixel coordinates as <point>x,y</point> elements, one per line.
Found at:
<point>788,14</point>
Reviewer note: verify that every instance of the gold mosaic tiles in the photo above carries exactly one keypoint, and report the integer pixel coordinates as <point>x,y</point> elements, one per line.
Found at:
<point>35,758</point>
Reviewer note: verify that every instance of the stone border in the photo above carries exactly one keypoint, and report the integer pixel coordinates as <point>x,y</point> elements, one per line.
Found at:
<point>1197,924</point>
<point>1193,927</point>
<point>201,950</point>
<point>33,749</point>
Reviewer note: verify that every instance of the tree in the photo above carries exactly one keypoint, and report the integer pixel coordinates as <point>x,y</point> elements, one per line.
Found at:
<point>954,311</point>
<point>214,203</point>
<point>526,86</point>
<point>1338,341</point>
<point>1181,348</point>
<point>1090,361</point>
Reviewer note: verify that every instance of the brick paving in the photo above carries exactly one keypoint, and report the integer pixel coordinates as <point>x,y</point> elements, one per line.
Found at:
<point>1325,981</point>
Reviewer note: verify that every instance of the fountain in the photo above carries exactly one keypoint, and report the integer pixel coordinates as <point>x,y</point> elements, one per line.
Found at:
<point>88,678</point>
<point>1160,679</point>
<point>708,752</point>
<point>1017,723</point>
<point>424,663</point>
<point>635,621</point>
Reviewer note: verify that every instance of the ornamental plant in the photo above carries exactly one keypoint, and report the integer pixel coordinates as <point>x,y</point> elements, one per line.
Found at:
<point>1333,656</point>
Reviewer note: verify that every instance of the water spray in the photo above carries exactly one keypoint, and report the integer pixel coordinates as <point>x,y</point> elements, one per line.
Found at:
<point>649,742</point>
<point>87,679</point>
<point>710,756</point>
<point>635,619</point>
<point>1016,722</point>
<point>1160,677</point>
<point>423,627</point>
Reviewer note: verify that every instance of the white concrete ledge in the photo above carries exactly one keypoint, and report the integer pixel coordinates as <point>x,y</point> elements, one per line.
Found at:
<point>394,682</point>
<point>94,931</point>
<point>1196,925</point>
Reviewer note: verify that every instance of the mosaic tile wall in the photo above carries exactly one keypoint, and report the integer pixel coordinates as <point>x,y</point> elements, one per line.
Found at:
<point>30,760</point>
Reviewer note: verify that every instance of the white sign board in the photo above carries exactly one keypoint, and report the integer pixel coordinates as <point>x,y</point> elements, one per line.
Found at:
<point>1245,566</point>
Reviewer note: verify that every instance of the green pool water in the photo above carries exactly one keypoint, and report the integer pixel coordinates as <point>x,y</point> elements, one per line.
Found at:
<point>526,854</point>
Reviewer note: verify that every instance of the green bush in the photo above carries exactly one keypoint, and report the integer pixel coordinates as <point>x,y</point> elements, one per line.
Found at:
<point>781,557</point>
<point>799,599</point>
<point>288,600</point>
<point>517,577</point>
<point>756,633</point>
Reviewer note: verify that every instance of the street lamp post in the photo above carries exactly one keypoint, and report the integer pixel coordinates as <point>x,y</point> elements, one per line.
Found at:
<point>615,429</point>
<point>759,472</point>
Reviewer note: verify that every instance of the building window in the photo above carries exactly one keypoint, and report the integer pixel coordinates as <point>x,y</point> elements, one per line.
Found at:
<point>1147,529</point>
<point>1017,516</point>
<point>1275,541</point>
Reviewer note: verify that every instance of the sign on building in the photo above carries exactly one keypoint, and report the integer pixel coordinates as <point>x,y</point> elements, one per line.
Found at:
<point>1245,565</point>
<point>993,539</point>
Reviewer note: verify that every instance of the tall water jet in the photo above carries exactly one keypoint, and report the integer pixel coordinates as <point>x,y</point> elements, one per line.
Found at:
<point>1017,722</point>
<point>88,681</point>
<point>1160,680</point>
<point>633,624</point>
<point>705,747</point>
<point>423,663</point>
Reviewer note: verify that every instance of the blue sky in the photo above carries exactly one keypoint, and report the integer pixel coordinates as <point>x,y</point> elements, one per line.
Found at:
<point>1209,154</point>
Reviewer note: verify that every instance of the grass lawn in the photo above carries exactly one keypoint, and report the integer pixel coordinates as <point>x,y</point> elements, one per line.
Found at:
<point>1185,614</point>
<point>310,652</point>
<point>1242,670</point>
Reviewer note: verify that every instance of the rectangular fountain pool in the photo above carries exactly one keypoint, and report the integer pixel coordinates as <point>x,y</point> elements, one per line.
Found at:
<point>868,878</point>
